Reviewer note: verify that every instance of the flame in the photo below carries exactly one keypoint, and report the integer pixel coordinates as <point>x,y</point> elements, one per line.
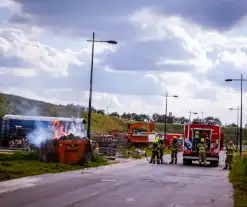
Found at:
<point>55,123</point>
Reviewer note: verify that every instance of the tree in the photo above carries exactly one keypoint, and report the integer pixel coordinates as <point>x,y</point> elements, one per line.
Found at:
<point>232,125</point>
<point>3,107</point>
<point>215,119</point>
<point>115,114</point>
<point>53,111</point>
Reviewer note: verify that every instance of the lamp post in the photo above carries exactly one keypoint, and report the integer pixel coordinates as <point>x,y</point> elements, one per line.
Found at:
<point>167,96</point>
<point>107,109</point>
<point>191,112</point>
<point>241,110</point>
<point>91,81</point>
<point>236,109</point>
<point>202,117</point>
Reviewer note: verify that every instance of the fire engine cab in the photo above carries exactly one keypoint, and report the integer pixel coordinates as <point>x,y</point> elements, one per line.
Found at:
<point>213,136</point>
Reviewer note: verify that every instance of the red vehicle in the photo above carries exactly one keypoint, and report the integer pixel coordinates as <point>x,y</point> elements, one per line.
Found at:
<point>214,138</point>
<point>169,139</point>
<point>138,136</point>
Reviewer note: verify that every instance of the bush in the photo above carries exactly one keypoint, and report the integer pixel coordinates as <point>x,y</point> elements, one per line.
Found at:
<point>22,164</point>
<point>238,177</point>
<point>96,161</point>
<point>19,156</point>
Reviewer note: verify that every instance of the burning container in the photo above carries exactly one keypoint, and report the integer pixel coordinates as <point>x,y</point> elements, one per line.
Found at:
<point>33,126</point>
<point>66,150</point>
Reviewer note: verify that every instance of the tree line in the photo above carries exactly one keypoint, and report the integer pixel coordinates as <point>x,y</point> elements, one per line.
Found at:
<point>160,118</point>
<point>157,118</point>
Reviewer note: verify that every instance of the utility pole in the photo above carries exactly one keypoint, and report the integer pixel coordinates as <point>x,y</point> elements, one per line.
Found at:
<point>91,81</point>
<point>165,126</point>
<point>241,118</point>
<point>166,116</point>
<point>241,110</point>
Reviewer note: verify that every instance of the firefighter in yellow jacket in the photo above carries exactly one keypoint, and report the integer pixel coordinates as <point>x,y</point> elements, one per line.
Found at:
<point>230,149</point>
<point>161,148</point>
<point>155,152</point>
<point>174,150</point>
<point>202,148</point>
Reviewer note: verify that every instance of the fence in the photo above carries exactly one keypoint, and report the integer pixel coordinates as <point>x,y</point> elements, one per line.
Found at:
<point>110,145</point>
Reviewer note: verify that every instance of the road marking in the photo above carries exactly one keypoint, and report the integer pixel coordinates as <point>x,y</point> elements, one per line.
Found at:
<point>19,181</point>
<point>106,180</point>
<point>17,187</point>
<point>16,184</point>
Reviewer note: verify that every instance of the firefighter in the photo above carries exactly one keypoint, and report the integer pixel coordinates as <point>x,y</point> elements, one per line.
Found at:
<point>196,134</point>
<point>230,149</point>
<point>155,152</point>
<point>174,150</point>
<point>161,147</point>
<point>202,147</point>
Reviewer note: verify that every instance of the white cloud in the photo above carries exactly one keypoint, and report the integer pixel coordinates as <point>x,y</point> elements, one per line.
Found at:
<point>24,72</point>
<point>62,76</point>
<point>238,59</point>
<point>4,3</point>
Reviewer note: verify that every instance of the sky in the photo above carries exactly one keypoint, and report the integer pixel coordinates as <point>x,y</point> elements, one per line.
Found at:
<point>183,47</point>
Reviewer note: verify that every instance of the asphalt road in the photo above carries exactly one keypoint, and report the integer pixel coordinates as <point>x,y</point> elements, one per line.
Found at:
<point>132,184</point>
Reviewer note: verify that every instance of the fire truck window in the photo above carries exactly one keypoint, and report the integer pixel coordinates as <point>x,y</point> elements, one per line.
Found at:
<point>206,134</point>
<point>196,133</point>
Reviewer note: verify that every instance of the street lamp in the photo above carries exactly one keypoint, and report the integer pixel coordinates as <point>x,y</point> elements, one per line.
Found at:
<point>191,112</point>
<point>91,80</point>
<point>107,109</point>
<point>167,96</point>
<point>241,110</point>
<point>202,117</point>
<point>236,109</point>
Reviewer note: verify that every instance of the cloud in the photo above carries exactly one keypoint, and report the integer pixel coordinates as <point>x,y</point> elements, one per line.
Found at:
<point>54,68</point>
<point>109,14</point>
<point>185,49</point>
<point>145,56</point>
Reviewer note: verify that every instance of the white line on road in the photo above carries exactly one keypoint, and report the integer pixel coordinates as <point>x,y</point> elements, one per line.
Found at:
<point>16,184</point>
<point>106,180</point>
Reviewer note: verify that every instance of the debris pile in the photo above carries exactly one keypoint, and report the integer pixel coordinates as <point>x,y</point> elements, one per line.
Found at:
<point>71,137</point>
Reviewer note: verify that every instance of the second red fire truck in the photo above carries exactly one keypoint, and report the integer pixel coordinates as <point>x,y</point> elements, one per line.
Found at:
<point>213,136</point>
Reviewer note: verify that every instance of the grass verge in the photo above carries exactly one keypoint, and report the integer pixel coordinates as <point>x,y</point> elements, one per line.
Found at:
<point>21,164</point>
<point>238,177</point>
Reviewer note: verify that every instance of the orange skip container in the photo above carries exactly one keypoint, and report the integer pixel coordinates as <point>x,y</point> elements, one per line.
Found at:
<point>71,151</point>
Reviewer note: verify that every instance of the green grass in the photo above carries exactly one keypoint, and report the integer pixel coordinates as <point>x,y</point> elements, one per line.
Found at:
<point>103,123</point>
<point>238,177</point>
<point>22,164</point>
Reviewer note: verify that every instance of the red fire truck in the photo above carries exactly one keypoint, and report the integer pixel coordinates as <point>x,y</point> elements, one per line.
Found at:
<point>214,138</point>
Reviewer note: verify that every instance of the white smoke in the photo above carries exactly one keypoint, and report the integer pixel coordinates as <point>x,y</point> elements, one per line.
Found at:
<point>42,133</point>
<point>77,129</point>
<point>39,135</point>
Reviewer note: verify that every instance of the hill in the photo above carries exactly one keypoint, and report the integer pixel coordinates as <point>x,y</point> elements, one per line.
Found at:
<point>11,104</point>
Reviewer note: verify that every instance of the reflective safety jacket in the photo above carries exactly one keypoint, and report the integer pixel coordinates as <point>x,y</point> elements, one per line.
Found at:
<point>202,147</point>
<point>155,146</point>
<point>230,149</point>
<point>174,145</point>
<point>156,140</point>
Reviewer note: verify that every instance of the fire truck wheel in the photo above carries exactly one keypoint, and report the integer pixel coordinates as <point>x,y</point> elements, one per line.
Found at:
<point>214,163</point>
<point>187,162</point>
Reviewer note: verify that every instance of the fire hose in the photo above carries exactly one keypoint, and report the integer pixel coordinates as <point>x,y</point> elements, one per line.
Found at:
<point>148,158</point>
